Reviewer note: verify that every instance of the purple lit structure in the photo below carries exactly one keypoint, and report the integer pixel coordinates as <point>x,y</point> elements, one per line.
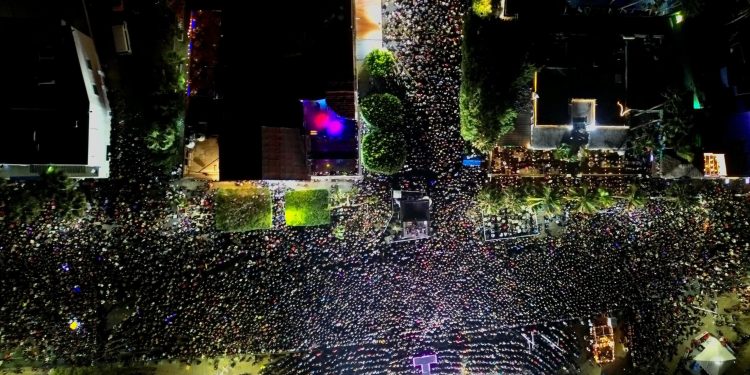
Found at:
<point>322,120</point>
<point>424,363</point>
<point>332,139</point>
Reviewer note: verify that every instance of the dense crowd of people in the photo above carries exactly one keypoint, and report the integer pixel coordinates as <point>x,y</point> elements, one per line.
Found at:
<point>426,38</point>
<point>146,276</point>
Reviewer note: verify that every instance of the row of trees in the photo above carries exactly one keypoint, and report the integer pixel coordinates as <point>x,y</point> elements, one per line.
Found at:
<point>53,191</point>
<point>552,202</point>
<point>383,148</point>
<point>495,79</point>
<point>153,81</point>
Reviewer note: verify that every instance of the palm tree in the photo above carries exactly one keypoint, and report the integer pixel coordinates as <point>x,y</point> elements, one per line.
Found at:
<point>511,199</point>
<point>634,198</point>
<point>75,205</point>
<point>55,187</point>
<point>682,195</point>
<point>583,200</point>
<point>488,200</point>
<point>161,140</point>
<point>52,182</point>
<point>338,197</point>
<point>547,200</point>
<point>603,199</point>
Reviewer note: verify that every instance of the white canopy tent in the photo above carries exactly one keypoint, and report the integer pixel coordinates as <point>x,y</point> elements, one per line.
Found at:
<point>713,357</point>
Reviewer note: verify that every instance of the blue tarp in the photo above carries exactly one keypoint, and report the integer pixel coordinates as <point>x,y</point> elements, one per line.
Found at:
<point>472,161</point>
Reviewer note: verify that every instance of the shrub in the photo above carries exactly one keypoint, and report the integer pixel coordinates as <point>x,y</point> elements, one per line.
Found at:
<point>383,111</point>
<point>564,153</point>
<point>244,209</point>
<point>307,208</point>
<point>380,63</point>
<point>383,152</point>
<point>482,8</point>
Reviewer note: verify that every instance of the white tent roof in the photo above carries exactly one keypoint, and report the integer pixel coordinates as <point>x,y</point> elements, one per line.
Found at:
<point>715,359</point>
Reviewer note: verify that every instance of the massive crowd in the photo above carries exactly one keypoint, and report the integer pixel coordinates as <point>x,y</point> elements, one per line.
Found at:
<point>146,276</point>
<point>426,38</point>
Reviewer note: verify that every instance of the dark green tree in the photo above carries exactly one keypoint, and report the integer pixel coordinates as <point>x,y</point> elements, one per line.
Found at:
<point>62,193</point>
<point>494,87</point>
<point>682,194</point>
<point>488,200</point>
<point>482,128</point>
<point>383,111</point>
<point>583,200</point>
<point>383,152</point>
<point>161,139</point>
<point>53,191</point>
<point>563,152</point>
<point>513,199</point>
<point>546,200</point>
<point>23,207</point>
<point>634,198</point>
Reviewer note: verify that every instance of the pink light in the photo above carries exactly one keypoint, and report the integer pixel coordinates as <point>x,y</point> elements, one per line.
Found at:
<point>320,120</point>
<point>335,127</point>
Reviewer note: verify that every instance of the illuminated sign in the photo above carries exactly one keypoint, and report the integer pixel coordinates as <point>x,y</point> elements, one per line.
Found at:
<point>424,363</point>
<point>714,165</point>
<point>472,161</point>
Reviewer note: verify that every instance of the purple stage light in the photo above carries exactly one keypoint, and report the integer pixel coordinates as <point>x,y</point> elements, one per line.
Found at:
<point>335,127</point>
<point>424,363</point>
<point>319,117</point>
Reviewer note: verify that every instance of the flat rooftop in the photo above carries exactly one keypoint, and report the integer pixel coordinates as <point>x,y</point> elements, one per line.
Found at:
<point>609,67</point>
<point>44,109</point>
<point>581,67</point>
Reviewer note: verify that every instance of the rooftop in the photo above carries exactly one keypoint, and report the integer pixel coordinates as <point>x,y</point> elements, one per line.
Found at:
<point>305,54</point>
<point>44,105</point>
<point>626,60</point>
<point>579,67</point>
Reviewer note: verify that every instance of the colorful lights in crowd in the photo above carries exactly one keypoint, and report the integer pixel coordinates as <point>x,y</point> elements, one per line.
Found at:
<point>320,119</point>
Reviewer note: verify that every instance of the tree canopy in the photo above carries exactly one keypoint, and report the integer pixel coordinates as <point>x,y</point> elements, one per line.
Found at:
<point>549,201</point>
<point>384,111</point>
<point>380,63</point>
<point>494,87</point>
<point>546,200</point>
<point>383,152</point>
<point>676,129</point>
<point>634,198</point>
<point>482,8</point>
<point>53,191</point>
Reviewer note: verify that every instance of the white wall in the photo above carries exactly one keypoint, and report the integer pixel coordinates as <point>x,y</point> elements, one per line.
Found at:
<point>99,110</point>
